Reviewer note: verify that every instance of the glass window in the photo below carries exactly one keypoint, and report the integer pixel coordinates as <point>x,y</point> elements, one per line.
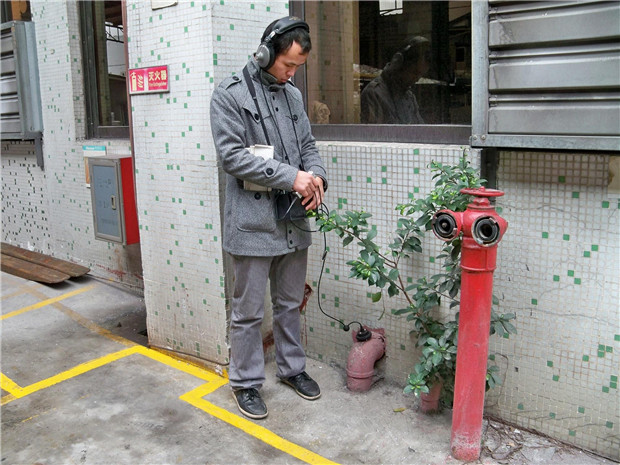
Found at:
<point>105,68</point>
<point>388,62</point>
<point>15,10</point>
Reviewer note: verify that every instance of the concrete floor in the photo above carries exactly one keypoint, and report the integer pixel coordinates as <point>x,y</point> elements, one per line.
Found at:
<point>79,386</point>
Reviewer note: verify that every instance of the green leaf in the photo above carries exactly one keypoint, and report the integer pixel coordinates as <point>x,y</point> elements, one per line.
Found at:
<point>376,297</point>
<point>347,240</point>
<point>401,311</point>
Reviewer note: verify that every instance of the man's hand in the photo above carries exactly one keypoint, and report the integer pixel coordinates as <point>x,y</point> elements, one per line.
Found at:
<point>312,202</point>
<point>310,188</point>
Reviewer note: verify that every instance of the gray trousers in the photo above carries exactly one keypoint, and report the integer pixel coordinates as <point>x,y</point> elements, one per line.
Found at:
<point>287,277</point>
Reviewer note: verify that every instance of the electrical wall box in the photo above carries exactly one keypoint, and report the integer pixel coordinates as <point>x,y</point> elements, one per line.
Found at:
<point>21,96</point>
<point>113,198</point>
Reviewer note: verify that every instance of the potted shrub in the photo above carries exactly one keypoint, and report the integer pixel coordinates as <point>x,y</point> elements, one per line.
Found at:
<point>437,335</point>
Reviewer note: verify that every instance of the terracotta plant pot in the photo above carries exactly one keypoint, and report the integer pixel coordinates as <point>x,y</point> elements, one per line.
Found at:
<point>429,403</point>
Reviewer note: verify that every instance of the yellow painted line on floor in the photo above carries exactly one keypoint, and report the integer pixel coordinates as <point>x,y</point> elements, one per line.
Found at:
<point>195,398</point>
<point>9,385</point>
<point>47,302</point>
<point>71,373</point>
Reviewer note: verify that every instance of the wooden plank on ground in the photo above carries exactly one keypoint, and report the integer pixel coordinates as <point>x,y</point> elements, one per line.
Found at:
<point>32,271</point>
<point>72,269</point>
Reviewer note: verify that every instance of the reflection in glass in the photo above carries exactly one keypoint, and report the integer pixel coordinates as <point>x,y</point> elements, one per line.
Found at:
<point>405,65</point>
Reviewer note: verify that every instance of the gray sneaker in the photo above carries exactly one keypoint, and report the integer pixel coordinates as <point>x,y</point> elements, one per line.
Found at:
<point>250,403</point>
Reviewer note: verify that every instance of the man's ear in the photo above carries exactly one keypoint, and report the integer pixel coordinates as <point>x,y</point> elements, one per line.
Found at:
<point>397,60</point>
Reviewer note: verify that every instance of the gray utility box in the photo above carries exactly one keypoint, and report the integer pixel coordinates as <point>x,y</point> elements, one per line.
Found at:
<point>113,198</point>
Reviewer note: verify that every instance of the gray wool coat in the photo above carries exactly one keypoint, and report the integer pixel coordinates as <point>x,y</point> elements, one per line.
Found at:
<point>250,226</point>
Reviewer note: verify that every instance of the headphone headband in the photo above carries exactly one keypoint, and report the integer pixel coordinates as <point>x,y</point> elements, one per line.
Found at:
<point>265,55</point>
<point>284,25</point>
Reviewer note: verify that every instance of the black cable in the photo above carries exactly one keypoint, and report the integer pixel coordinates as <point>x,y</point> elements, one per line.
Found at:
<point>363,333</point>
<point>345,327</point>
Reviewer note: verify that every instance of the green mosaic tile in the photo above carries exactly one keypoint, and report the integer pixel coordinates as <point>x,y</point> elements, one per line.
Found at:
<point>549,363</point>
<point>594,248</point>
<point>551,415</point>
<point>575,195</point>
<point>566,237</point>
<point>402,347</point>
<point>581,410</point>
<point>613,385</point>
<point>605,204</point>
<point>577,281</point>
<point>571,273</point>
<point>383,180</point>
<point>606,389</point>
<point>334,160</point>
<point>585,358</point>
<point>368,180</point>
<point>416,171</point>
<point>609,349</point>
<point>416,151</point>
<point>556,277</point>
<point>572,432</point>
<point>534,302</point>
<point>561,179</point>
<point>555,378</point>
<point>545,235</point>
<point>586,254</point>
<point>348,178</point>
<point>617,337</point>
<point>520,407</point>
<point>609,424</point>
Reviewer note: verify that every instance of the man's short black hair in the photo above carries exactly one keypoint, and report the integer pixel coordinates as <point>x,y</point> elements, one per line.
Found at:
<point>282,42</point>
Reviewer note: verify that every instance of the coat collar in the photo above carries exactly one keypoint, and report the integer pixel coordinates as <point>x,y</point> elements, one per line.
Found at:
<point>263,76</point>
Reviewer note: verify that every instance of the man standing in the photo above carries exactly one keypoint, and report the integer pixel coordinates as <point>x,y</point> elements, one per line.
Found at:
<point>262,107</point>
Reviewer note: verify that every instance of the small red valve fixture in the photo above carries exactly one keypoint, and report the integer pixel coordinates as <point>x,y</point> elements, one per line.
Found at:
<point>482,230</point>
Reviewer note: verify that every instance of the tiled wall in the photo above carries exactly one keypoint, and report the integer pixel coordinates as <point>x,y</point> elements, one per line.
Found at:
<point>50,210</point>
<point>557,270</point>
<point>177,174</point>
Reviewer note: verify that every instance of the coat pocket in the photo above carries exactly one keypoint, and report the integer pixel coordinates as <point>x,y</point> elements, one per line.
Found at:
<point>254,212</point>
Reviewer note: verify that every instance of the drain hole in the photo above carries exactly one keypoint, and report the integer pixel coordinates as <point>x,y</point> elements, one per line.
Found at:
<point>143,333</point>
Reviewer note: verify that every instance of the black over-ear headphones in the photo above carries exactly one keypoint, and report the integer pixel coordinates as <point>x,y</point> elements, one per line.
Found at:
<point>265,55</point>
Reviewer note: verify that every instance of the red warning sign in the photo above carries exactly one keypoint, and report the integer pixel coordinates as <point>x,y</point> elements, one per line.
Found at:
<point>149,80</point>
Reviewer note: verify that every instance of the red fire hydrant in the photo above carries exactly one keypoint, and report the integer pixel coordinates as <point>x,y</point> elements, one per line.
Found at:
<point>482,230</point>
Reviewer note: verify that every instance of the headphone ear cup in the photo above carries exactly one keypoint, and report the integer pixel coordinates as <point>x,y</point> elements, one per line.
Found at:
<point>264,56</point>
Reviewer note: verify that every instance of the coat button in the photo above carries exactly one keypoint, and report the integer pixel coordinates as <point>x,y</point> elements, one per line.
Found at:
<point>235,78</point>
<point>295,118</point>
<point>269,171</point>
<point>257,196</point>
<point>256,117</point>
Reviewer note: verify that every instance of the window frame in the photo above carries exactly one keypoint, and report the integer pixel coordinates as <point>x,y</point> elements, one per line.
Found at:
<point>408,133</point>
<point>89,68</point>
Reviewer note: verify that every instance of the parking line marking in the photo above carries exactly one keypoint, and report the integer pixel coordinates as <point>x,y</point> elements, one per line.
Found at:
<point>47,302</point>
<point>261,433</point>
<point>193,397</point>
<point>9,385</point>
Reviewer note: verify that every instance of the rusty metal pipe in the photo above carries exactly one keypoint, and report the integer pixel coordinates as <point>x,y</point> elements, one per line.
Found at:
<point>362,358</point>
